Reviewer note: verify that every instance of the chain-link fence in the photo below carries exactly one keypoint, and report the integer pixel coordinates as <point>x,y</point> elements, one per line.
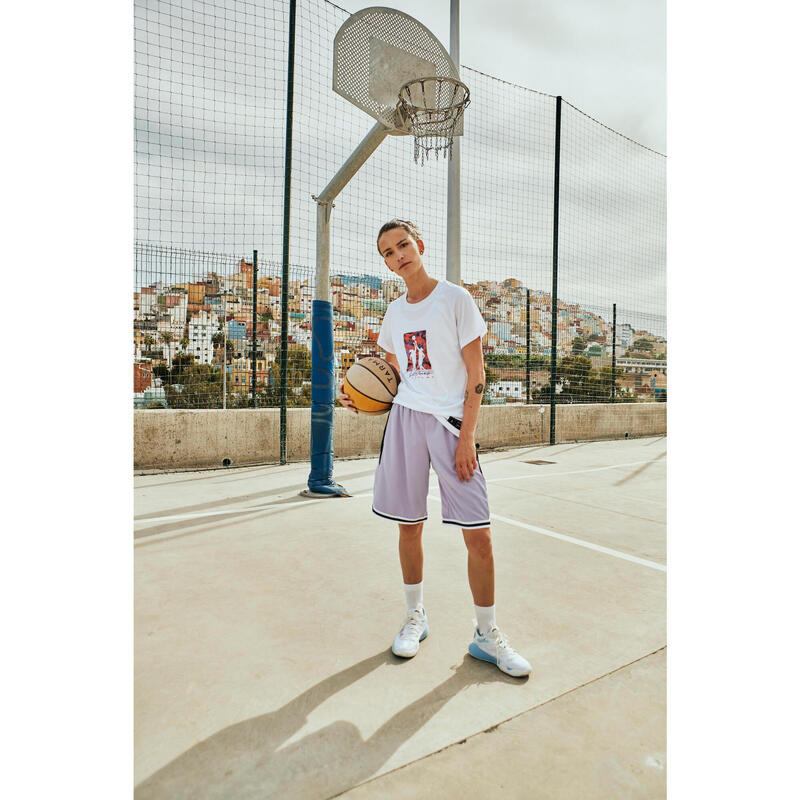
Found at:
<point>211,104</point>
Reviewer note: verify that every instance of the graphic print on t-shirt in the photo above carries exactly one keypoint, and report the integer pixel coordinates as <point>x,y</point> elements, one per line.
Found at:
<point>416,344</point>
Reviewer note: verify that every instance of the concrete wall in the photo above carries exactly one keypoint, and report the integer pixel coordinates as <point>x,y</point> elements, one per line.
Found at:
<point>167,440</point>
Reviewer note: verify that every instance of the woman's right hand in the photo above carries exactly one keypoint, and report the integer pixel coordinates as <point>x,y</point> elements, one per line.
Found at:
<point>345,401</point>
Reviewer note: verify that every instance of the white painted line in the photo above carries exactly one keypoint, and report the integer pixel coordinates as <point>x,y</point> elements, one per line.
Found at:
<point>573,472</point>
<point>255,509</point>
<point>581,543</point>
<point>233,510</point>
<point>535,528</point>
<point>572,540</point>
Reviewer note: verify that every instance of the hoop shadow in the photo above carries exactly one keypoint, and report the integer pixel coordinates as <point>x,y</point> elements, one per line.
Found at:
<point>245,760</point>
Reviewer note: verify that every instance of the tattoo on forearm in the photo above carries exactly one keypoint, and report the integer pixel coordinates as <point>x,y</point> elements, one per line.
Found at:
<point>479,389</point>
<point>466,395</point>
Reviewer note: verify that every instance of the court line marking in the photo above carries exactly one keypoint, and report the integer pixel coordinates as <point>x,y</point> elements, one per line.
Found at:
<point>535,528</point>
<point>572,540</point>
<point>264,507</point>
<point>575,472</point>
<point>234,510</point>
<point>581,543</point>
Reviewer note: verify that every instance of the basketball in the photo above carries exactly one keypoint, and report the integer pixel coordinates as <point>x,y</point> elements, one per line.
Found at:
<point>371,383</point>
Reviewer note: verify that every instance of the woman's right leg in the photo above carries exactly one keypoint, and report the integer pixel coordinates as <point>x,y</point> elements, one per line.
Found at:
<point>415,627</point>
<point>411,552</point>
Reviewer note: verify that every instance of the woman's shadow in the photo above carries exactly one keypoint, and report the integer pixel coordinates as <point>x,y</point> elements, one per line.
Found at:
<point>243,761</point>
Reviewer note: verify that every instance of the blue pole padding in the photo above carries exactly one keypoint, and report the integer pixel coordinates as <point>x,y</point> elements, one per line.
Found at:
<point>323,393</point>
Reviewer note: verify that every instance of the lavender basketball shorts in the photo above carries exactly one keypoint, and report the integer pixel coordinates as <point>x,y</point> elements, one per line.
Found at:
<point>412,441</point>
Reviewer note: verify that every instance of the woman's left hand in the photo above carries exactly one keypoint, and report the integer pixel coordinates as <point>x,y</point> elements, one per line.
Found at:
<point>466,459</point>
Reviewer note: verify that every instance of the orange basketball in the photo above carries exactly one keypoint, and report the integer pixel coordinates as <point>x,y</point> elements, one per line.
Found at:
<point>371,384</point>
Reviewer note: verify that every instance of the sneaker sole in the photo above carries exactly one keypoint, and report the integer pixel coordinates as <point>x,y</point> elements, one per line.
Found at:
<point>402,655</point>
<point>476,652</point>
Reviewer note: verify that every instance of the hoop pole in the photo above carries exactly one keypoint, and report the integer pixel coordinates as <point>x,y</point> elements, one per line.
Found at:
<point>323,390</point>
<point>325,200</point>
<point>454,165</point>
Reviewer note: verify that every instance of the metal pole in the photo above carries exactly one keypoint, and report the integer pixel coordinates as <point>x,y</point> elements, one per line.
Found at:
<point>325,199</point>
<point>554,297</point>
<point>454,166</point>
<point>527,345</point>
<point>320,479</point>
<point>255,303</point>
<point>225,352</point>
<point>614,355</point>
<point>287,206</point>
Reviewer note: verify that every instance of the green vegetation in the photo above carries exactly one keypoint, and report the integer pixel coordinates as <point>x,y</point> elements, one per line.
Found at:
<point>491,377</point>
<point>578,345</point>
<point>191,385</point>
<point>500,361</point>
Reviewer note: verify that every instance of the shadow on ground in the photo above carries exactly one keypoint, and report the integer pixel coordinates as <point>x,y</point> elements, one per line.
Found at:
<point>247,761</point>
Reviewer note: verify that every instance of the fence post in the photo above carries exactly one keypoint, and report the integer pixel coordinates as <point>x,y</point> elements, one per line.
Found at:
<point>255,304</point>
<point>287,207</point>
<point>554,297</point>
<point>225,350</point>
<point>614,356</point>
<point>527,345</point>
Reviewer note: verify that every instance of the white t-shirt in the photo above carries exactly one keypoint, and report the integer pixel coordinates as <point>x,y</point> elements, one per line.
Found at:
<point>427,338</point>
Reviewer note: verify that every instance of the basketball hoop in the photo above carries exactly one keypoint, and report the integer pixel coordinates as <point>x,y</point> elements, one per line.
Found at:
<point>431,109</point>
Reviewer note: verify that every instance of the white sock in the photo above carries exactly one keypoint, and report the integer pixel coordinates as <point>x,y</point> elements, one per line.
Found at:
<point>485,617</point>
<point>413,595</point>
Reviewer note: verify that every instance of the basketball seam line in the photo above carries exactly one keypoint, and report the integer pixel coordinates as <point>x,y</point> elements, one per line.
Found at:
<point>364,394</point>
<point>364,366</point>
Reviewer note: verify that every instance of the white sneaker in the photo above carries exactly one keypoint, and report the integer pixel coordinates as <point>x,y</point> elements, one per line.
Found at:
<point>414,630</point>
<point>494,647</point>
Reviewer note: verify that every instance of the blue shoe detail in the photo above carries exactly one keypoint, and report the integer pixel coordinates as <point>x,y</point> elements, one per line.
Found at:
<point>424,633</point>
<point>476,652</point>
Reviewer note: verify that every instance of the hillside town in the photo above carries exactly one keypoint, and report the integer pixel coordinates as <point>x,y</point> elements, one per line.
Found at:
<point>210,319</point>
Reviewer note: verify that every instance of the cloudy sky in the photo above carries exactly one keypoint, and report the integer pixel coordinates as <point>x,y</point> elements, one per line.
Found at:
<point>607,57</point>
<point>210,122</point>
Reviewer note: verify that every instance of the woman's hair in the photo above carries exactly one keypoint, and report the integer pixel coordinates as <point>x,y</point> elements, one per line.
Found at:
<point>409,227</point>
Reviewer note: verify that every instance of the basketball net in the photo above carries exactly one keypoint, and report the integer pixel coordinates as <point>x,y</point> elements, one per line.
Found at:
<point>431,108</point>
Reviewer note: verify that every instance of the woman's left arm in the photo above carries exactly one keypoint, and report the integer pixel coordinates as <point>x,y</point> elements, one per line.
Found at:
<point>466,459</point>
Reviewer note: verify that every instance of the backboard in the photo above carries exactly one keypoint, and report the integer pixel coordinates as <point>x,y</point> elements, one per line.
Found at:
<point>379,49</point>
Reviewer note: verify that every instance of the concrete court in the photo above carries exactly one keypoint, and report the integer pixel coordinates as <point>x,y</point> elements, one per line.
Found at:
<point>263,626</point>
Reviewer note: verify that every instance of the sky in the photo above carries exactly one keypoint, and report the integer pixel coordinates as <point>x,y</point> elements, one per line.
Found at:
<point>607,57</point>
<point>210,128</point>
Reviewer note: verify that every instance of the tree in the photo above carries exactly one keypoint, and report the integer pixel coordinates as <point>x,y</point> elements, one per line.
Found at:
<point>514,361</point>
<point>179,364</point>
<point>582,384</point>
<point>166,338</point>
<point>491,377</point>
<point>298,372</point>
<point>643,344</point>
<point>200,386</point>
<point>605,384</point>
<point>578,346</point>
<point>162,371</point>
